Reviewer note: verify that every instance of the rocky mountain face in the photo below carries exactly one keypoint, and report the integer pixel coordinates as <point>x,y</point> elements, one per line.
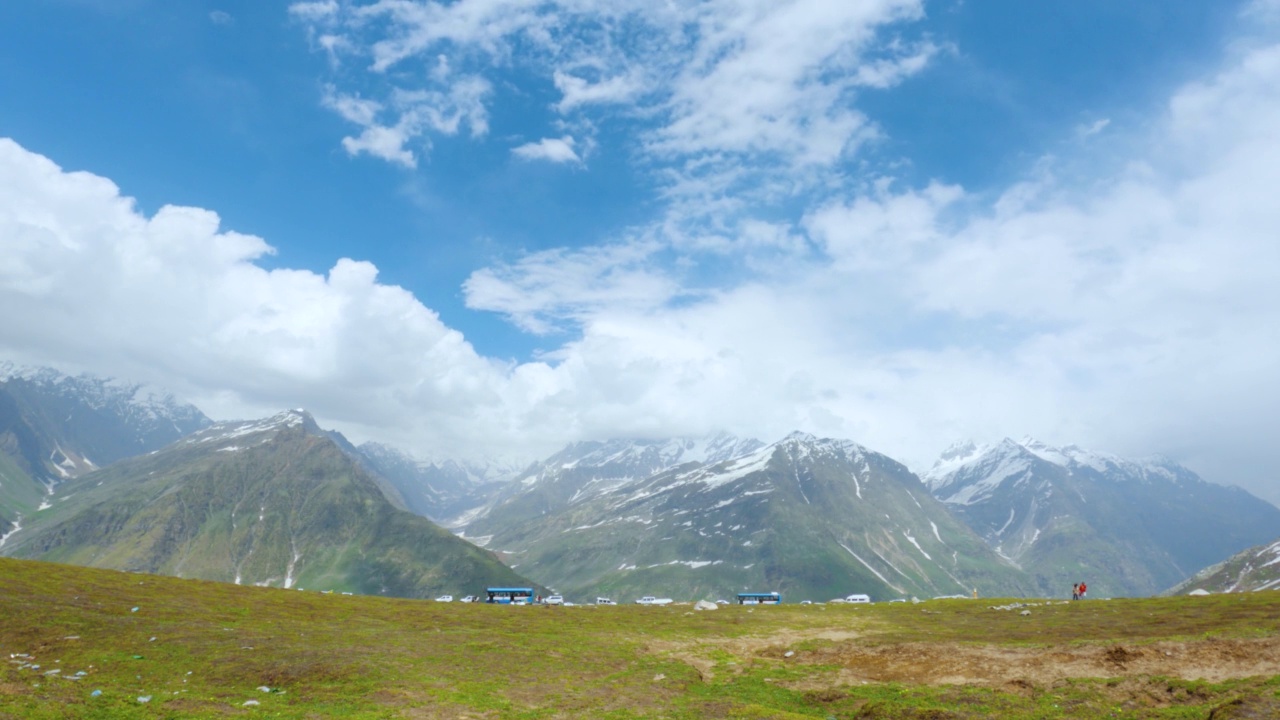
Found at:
<point>442,490</point>
<point>585,469</point>
<point>54,427</point>
<point>1257,568</point>
<point>811,518</point>
<point>271,502</point>
<point>1067,514</point>
<point>58,426</point>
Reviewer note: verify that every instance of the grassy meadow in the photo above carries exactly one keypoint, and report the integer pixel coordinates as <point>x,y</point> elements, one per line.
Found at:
<point>203,649</point>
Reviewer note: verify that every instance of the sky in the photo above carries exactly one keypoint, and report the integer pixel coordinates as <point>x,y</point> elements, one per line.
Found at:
<point>486,228</point>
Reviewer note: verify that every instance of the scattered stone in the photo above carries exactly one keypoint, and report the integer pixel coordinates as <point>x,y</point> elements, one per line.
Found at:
<point>659,677</point>
<point>705,605</point>
<point>71,637</point>
<point>153,639</point>
<point>1025,612</point>
<point>251,703</point>
<point>96,693</point>
<point>789,653</point>
<point>144,698</point>
<point>263,688</point>
<point>134,610</point>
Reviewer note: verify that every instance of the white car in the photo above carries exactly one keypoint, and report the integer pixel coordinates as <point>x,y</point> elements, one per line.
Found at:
<point>858,598</point>
<point>554,600</point>
<point>605,601</point>
<point>651,600</point>
<point>445,598</point>
<point>470,598</point>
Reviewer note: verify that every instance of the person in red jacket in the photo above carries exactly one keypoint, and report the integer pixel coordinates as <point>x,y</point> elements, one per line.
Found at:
<point>1083,589</point>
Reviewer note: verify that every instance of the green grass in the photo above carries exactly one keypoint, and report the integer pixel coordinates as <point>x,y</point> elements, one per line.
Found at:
<point>330,655</point>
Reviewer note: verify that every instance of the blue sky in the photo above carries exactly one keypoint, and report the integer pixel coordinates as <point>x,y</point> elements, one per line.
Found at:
<point>897,221</point>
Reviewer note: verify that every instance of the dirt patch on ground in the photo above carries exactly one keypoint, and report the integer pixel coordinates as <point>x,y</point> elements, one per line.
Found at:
<point>951,663</point>
<point>1013,669</point>
<point>699,655</point>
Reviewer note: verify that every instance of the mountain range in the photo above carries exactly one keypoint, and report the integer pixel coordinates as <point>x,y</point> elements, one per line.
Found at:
<point>114,474</point>
<point>812,518</point>
<point>55,426</point>
<point>1068,514</point>
<point>273,502</point>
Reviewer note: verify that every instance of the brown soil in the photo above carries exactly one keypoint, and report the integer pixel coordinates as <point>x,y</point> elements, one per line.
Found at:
<point>1010,668</point>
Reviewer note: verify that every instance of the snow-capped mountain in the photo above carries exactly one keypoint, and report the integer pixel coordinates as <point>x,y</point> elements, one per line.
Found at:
<point>1068,514</point>
<point>59,426</point>
<point>810,517</point>
<point>585,469</point>
<point>437,489</point>
<point>1257,568</point>
<point>276,501</point>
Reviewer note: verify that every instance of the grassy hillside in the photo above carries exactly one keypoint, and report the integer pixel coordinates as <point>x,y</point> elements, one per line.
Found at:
<point>288,510</point>
<point>20,496</point>
<point>203,649</point>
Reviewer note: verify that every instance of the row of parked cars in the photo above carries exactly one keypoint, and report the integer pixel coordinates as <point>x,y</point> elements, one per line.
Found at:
<point>856,598</point>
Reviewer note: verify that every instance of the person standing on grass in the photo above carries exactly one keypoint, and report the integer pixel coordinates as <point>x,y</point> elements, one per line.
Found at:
<point>1075,591</point>
<point>1082,590</point>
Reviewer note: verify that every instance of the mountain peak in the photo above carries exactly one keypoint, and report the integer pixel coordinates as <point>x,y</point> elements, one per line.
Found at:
<point>224,431</point>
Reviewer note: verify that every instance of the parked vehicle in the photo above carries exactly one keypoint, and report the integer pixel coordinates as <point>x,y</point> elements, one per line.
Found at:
<point>605,601</point>
<point>857,598</point>
<point>651,600</point>
<point>554,600</point>
<point>470,598</point>
<point>445,598</point>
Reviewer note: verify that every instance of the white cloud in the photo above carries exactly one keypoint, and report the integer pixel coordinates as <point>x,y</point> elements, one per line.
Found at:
<point>543,291</point>
<point>576,91</point>
<point>315,11</point>
<point>744,93</point>
<point>556,150</point>
<point>220,17</point>
<point>416,113</point>
<point>1135,310</point>
<point>1093,128</point>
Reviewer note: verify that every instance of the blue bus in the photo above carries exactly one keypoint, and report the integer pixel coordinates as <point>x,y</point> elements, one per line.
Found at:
<point>510,596</point>
<point>772,598</point>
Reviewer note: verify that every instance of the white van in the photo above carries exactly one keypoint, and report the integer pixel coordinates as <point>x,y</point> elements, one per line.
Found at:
<point>857,598</point>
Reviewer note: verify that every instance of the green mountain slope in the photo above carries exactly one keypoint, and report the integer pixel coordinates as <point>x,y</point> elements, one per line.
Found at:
<point>20,496</point>
<point>810,518</point>
<point>1257,568</point>
<point>56,426</point>
<point>1068,514</point>
<point>270,503</point>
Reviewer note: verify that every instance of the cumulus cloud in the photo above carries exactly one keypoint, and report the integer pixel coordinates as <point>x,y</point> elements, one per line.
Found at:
<point>88,281</point>
<point>1134,309</point>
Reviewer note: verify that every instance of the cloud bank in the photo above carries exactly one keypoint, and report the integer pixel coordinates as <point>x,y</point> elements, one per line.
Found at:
<point>1132,307</point>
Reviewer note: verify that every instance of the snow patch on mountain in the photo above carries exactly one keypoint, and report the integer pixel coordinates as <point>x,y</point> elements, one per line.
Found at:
<point>225,431</point>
